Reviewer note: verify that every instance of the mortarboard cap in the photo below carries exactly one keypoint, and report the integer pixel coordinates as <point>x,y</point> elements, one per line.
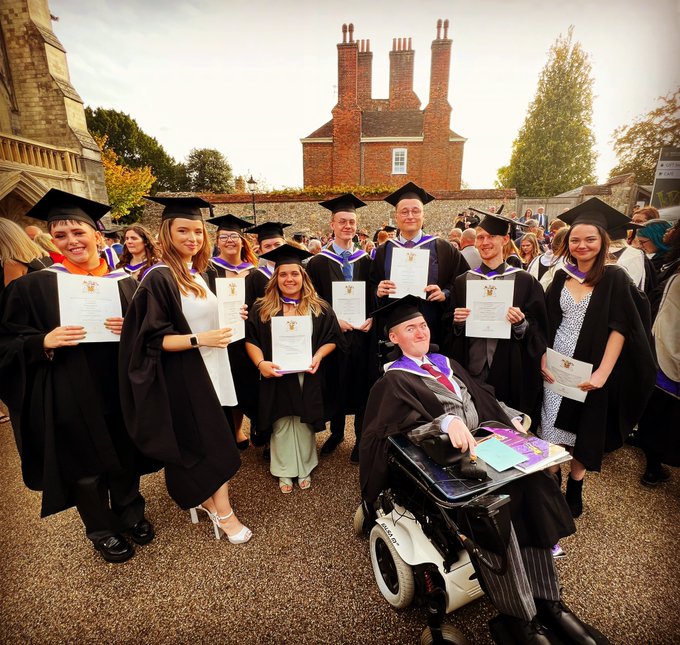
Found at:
<point>286,254</point>
<point>228,222</point>
<point>185,207</point>
<point>621,232</point>
<point>495,224</point>
<point>389,228</point>
<point>58,205</point>
<point>409,191</point>
<point>399,311</point>
<point>346,203</point>
<point>595,211</point>
<point>268,230</point>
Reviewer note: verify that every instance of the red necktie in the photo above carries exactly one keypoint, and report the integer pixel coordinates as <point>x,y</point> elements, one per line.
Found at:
<point>439,376</point>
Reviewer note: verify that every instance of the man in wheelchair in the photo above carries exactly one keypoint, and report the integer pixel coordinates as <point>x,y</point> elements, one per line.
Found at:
<point>424,394</point>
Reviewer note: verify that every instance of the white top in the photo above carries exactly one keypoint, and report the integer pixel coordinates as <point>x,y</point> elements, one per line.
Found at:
<point>201,314</point>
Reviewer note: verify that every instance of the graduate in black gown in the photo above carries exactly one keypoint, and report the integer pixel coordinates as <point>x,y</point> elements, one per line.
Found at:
<point>445,262</point>
<point>269,237</point>
<point>62,391</point>
<point>512,365</point>
<point>236,259</point>
<point>348,371</point>
<point>291,406</point>
<point>422,394</point>
<point>597,315</point>
<point>175,380</point>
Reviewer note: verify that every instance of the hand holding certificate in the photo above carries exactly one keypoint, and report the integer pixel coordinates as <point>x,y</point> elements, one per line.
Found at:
<point>349,302</point>
<point>231,296</point>
<point>409,271</point>
<point>89,302</point>
<point>292,343</point>
<point>488,302</point>
<point>568,374</point>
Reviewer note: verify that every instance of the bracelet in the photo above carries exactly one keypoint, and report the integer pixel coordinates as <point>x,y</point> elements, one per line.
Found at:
<point>257,367</point>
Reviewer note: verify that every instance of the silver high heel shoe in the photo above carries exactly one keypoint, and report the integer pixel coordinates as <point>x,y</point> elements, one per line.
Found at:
<point>237,538</point>
<point>194,518</point>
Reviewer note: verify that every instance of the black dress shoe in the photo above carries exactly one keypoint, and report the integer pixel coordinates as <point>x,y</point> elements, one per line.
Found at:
<point>557,617</point>
<point>506,629</point>
<point>655,476</point>
<point>331,444</point>
<point>142,532</point>
<point>114,548</point>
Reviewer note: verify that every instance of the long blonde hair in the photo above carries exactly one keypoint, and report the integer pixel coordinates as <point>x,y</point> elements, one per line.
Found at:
<point>180,270</point>
<point>535,249</point>
<point>271,304</point>
<point>16,245</point>
<point>44,241</point>
<point>510,248</point>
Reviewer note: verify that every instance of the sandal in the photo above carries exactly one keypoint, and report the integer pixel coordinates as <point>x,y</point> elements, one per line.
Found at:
<point>305,483</point>
<point>286,485</point>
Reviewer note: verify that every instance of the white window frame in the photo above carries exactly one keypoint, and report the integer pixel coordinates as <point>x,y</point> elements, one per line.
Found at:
<point>399,168</point>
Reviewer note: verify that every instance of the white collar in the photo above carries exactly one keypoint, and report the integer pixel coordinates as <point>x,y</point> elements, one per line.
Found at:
<point>415,240</point>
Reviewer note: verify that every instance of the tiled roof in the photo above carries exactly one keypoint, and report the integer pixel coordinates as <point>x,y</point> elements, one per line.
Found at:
<point>383,123</point>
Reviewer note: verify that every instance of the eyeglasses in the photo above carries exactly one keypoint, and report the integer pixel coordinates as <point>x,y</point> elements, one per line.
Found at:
<point>413,211</point>
<point>229,237</point>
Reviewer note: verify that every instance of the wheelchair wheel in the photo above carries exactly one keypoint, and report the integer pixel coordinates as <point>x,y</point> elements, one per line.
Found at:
<point>393,576</point>
<point>359,520</point>
<point>450,634</point>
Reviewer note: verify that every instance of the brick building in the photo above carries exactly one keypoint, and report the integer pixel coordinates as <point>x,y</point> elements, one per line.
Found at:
<point>387,141</point>
<point>44,142</point>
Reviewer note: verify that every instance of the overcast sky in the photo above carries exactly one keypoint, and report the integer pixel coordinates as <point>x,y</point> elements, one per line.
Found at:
<point>252,78</point>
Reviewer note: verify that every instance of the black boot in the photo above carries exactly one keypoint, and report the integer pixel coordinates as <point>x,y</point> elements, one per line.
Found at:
<point>506,629</point>
<point>574,496</point>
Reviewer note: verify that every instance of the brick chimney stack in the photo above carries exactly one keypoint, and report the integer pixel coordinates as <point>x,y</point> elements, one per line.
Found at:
<point>437,117</point>
<point>441,64</point>
<point>364,73</point>
<point>402,58</point>
<point>347,114</point>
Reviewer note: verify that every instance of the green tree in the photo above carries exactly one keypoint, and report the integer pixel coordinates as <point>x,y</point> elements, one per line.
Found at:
<point>553,151</point>
<point>135,148</point>
<point>208,171</point>
<point>637,146</point>
<point>125,186</point>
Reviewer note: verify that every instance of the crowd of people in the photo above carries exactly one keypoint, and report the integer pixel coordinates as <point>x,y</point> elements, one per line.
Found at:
<point>90,418</point>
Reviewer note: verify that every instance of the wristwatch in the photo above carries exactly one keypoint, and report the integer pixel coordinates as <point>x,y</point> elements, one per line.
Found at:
<point>194,342</point>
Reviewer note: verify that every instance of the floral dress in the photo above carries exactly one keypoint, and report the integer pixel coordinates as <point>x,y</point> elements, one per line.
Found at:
<point>566,338</point>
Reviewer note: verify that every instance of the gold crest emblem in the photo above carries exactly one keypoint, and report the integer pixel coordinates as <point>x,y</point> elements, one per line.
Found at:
<point>292,324</point>
<point>349,289</point>
<point>232,288</point>
<point>567,364</point>
<point>489,291</point>
<point>411,256</point>
<point>90,286</point>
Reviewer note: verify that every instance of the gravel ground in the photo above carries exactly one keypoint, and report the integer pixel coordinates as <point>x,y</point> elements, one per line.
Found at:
<point>305,578</point>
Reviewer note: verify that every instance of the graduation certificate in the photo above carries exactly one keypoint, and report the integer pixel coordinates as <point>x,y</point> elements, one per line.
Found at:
<point>231,296</point>
<point>488,302</point>
<point>409,271</point>
<point>349,302</point>
<point>87,301</point>
<point>292,343</point>
<point>568,373</point>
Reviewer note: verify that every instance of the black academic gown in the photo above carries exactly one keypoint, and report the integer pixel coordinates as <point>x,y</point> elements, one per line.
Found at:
<point>282,396</point>
<point>348,372</point>
<point>65,411</point>
<point>609,414</point>
<point>172,411</point>
<point>401,401</point>
<point>515,372</point>
<point>242,369</point>
<point>256,283</point>
<point>446,264</point>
